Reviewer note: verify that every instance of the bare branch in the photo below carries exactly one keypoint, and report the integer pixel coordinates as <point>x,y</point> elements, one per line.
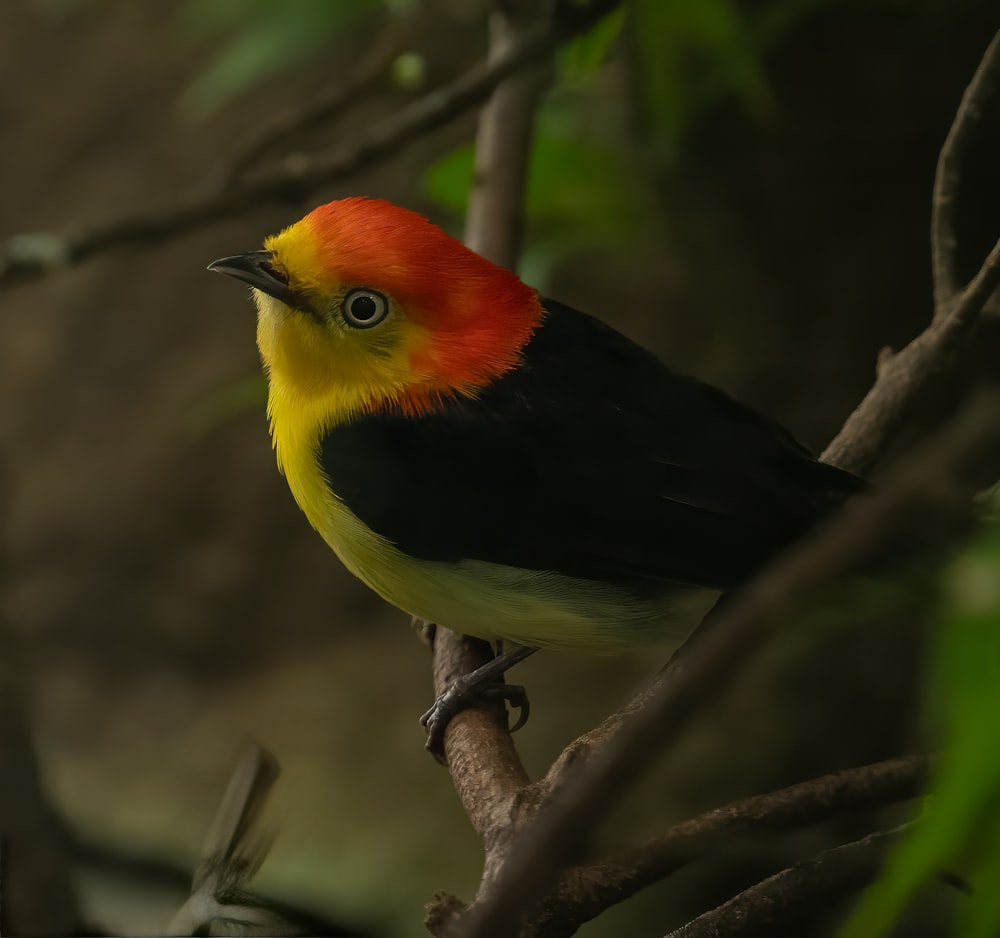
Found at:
<point>934,486</point>
<point>484,765</point>
<point>780,899</point>
<point>26,256</point>
<point>585,892</point>
<point>985,84</point>
<point>904,377</point>
<point>503,144</point>
<point>233,848</point>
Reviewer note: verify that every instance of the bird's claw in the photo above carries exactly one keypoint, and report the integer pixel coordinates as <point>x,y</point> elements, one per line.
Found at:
<point>462,695</point>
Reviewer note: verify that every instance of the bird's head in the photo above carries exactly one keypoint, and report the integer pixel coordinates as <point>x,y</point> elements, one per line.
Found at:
<point>363,305</point>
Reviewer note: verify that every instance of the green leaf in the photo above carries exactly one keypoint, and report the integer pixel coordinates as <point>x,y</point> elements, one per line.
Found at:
<point>962,823</point>
<point>690,56</point>
<point>580,58</point>
<point>580,196</point>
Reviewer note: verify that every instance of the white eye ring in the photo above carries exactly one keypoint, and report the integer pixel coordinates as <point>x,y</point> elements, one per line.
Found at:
<point>363,308</point>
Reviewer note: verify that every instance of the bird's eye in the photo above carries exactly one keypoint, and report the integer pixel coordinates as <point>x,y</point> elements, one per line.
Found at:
<point>364,308</point>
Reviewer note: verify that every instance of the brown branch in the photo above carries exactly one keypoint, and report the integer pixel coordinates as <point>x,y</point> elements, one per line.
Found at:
<point>985,84</point>
<point>33,255</point>
<point>585,892</point>
<point>905,377</point>
<point>934,487</point>
<point>781,899</point>
<point>503,143</point>
<point>485,767</point>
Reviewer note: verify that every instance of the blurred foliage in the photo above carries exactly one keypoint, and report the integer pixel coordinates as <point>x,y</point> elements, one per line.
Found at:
<point>265,36</point>
<point>691,55</point>
<point>960,827</point>
<point>580,195</point>
<point>587,189</point>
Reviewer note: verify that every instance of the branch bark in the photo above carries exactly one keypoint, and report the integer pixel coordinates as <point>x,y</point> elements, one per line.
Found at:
<point>985,85</point>
<point>902,379</point>
<point>780,899</point>
<point>585,892</point>
<point>485,767</point>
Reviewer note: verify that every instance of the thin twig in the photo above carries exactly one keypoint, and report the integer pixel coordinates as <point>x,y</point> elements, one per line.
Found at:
<point>585,892</point>
<point>33,255</point>
<point>784,897</point>
<point>904,378</point>
<point>985,84</point>
<point>503,142</point>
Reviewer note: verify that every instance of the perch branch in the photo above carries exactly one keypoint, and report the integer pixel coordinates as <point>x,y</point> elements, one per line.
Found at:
<point>485,768</point>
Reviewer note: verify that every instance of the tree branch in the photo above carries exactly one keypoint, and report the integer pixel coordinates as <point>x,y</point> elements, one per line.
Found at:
<point>32,255</point>
<point>485,767</point>
<point>782,898</point>
<point>585,892</point>
<point>903,378</point>
<point>985,84</point>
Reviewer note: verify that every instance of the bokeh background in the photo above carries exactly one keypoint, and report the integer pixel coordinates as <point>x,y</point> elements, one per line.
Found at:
<point>743,187</point>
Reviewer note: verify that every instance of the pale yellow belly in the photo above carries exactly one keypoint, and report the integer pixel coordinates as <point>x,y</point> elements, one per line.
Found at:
<point>491,601</point>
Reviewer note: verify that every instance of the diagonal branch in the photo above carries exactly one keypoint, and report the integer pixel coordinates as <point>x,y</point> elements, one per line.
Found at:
<point>777,901</point>
<point>905,377</point>
<point>32,255</point>
<point>585,892</point>
<point>985,85</point>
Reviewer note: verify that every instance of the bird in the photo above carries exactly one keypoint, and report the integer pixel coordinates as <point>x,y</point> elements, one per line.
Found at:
<point>497,462</point>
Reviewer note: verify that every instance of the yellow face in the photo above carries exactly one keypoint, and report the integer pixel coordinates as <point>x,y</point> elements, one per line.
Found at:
<point>354,348</point>
<point>363,305</point>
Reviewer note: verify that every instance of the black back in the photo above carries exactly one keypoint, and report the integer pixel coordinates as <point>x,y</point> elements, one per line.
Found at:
<point>592,459</point>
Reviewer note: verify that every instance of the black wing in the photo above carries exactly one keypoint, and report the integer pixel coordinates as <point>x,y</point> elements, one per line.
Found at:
<point>592,459</point>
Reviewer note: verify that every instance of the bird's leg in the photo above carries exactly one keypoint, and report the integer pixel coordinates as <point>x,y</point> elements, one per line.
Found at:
<point>485,683</point>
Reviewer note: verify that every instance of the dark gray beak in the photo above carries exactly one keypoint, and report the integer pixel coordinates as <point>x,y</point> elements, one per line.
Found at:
<point>256,269</point>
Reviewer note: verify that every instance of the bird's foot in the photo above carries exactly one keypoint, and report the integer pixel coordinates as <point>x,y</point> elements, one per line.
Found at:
<point>469,691</point>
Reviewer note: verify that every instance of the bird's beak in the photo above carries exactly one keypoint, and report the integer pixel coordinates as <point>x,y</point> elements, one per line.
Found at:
<point>258,270</point>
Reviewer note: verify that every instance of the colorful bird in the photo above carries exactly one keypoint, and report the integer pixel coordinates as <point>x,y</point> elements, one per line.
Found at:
<point>499,463</point>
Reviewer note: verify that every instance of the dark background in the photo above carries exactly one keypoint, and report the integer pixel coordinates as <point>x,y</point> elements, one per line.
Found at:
<point>163,599</point>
